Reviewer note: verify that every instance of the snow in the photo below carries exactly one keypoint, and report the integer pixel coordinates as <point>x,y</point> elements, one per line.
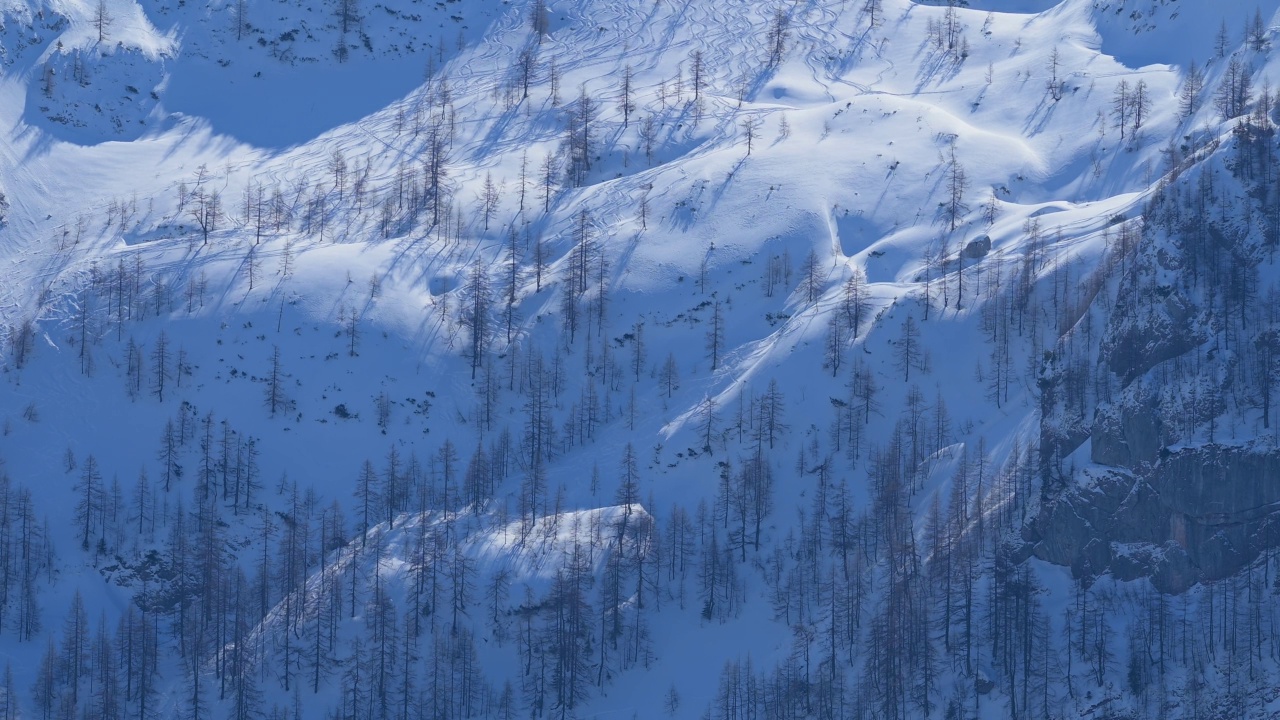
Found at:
<point>874,115</point>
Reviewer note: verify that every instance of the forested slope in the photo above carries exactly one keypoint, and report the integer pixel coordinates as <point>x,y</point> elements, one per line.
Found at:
<point>700,359</point>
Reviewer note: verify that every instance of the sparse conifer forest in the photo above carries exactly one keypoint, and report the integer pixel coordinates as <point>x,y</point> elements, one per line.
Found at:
<point>553,359</point>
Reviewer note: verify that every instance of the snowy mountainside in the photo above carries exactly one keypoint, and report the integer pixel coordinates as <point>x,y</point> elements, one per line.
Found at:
<point>118,70</point>
<point>817,359</point>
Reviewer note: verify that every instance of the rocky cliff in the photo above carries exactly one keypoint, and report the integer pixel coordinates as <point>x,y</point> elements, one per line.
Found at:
<point>1157,448</point>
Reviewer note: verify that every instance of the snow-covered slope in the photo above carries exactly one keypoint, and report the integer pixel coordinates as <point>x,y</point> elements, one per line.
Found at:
<point>724,357</point>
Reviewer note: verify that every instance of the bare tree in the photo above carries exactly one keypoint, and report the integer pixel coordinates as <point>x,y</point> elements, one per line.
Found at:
<point>643,208</point>
<point>991,208</point>
<point>489,198</point>
<point>252,265</point>
<point>276,399</point>
<point>648,134</point>
<point>476,316</point>
<point>160,363</point>
<point>698,75</point>
<point>240,13</point>
<point>525,66</point>
<point>715,335</point>
<point>1257,32</point>
<point>348,14</point>
<point>625,103</point>
<point>777,38</point>
<point>854,302</point>
<point>21,340</point>
<point>907,351</point>
<point>338,168</point>
<point>1054,84</point>
<point>707,421</point>
<point>1140,105</point>
<point>548,180</point>
<point>872,9</point>
<point>540,19</point>
<point>580,134</point>
<point>951,30</point>
<point>957,186</point>
<point>811,276</point>
<point>353,332</point>
<point>1235,89</point>
<point>204,206</point>
<point>1120,106</point>
<point>669,378</point>
<point>553,82</point>
<point>1192,85</point>
<point>837,329</point>
<point>751,128</point>
<point>89,496</point>
<point>368,499</point>
<point>1221,40</point>
<point>102,20</point>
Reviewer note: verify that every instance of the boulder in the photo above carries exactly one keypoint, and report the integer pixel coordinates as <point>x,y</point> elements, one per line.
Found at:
<point>978,248</point>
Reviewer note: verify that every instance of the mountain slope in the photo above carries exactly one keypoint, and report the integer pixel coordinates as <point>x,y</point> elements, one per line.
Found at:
<point>866,305</point>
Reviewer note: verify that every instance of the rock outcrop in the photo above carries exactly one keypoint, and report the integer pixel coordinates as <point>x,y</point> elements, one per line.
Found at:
<point>1197,514</point>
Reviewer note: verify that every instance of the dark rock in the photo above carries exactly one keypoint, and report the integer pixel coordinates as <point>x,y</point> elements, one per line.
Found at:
<point>1219,555</point>
<point>1136,342</point>
<point>1129,432</point>
<point>1021,553</point>
<point>1063,532</point>
<point>1197,514</point>
<point>1141,517</point>
<point>978,248</point>
<point>1058,442</point>
<point>1221,484</point>
<point>1174,572</point>
<point>1094,559</point>
<point>1108,444</point>
<point>1130,566</point>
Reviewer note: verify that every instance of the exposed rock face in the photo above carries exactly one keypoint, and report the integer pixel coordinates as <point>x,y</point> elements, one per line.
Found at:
<point>1197,514</point>
<point>1129,432</point>
<point>1141,508</point>
<point>1227,484</point>
<point>1141,339</point>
